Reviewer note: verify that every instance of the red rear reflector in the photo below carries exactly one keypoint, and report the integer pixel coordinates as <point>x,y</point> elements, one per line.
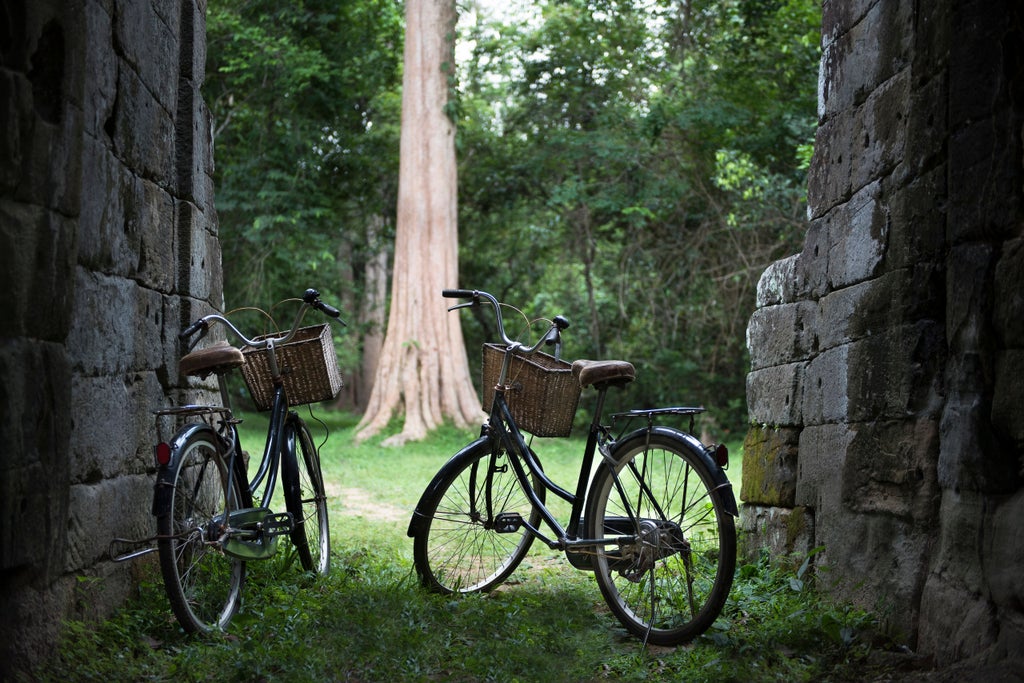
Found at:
<point>163,454</point>
<point>722,455</point>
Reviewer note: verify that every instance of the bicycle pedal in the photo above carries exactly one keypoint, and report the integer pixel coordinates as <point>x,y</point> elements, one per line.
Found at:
<point>508,522</point>
<point>278,524</point>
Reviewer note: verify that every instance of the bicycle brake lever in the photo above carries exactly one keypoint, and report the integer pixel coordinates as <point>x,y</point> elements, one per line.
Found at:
<point>466,304</point>
<point>185,335</point>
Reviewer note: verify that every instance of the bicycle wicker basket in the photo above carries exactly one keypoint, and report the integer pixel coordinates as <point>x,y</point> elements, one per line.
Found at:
<point>308,366</point>
<point>542,393</point>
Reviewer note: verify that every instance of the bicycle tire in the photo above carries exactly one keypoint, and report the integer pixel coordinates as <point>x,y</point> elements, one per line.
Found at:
<point>456,549</point>
<point>305,497</point>
<point>203,584</point>
<point>669,587</point>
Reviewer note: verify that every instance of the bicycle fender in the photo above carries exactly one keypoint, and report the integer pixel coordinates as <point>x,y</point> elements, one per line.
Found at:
<point>722,484</point>
<point>418,518</point>
<point>164,478</point>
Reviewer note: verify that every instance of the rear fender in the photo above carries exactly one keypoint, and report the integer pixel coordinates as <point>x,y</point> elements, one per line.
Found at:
<point>165,475</point>
<point>700,452</point>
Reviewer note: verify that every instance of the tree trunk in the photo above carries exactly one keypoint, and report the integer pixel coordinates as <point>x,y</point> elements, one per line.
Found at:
<point>374,305</point>
<point>423,369</point>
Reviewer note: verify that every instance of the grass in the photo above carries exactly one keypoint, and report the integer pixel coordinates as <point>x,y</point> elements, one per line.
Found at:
<point>370,621</point>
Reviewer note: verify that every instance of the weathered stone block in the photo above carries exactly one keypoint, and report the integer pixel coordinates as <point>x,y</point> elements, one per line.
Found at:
<point>34,426</point>
<point>968,317</point>
<point>98,451</point>
<point>769,466</point>
<point>93,506</point>
<point>1004,551</point>
<point>890,469</point>
<point>15,115</point>
<point>821,460</point>
<point>787,534</point>
<point>143,129</point>
<point>880,132</point>
<point>100,87</point>
<point>955,577</point>
<point>989,150</point>
<point>199,264</point>
<point>971,457</point>
<point>774,395</point>
<point>838,17</point>
<point>782,334</point>
<point>894,374</point>
<point>1007,399</point>
<point>917,233</point>
<point>776,284</point>
<point>828,178</point>
<point>866,55</point>
<point>1009,295</point>
<point>101,340</point>
<point>152,225</point>
<point>811,269</point>
<point>148,35</point>
<point>954,622</point>
<point>927,128</point>
<point>856,252</point>
<point>825,394</point>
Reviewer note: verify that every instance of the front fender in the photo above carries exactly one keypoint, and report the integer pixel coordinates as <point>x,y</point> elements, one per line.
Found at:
<point>416,524</point>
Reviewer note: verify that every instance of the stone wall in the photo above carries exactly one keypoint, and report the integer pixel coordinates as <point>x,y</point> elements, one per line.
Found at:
<point>107,244</point>
<point>885,393</point>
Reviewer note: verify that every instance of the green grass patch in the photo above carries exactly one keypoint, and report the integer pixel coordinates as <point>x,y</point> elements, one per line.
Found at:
<point>370,621</point>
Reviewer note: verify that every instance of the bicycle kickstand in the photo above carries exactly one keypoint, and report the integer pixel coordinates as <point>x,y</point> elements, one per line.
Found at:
<point>128,553</point>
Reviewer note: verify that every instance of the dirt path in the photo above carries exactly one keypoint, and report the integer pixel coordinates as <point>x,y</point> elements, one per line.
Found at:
<point>356,502</point>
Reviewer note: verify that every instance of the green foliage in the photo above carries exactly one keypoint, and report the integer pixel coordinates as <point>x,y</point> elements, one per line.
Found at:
<point>305,124</point>
<point>637,172</point>
<point>369,620</point>
<point>631,164</point>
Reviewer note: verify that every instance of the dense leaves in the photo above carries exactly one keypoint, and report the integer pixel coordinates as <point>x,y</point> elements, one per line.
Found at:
<point>632,164</point>
<point>644,164</point>
<point>303,97</point>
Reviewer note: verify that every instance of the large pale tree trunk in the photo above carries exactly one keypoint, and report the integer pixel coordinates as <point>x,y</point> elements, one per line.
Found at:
<point>423,369</point>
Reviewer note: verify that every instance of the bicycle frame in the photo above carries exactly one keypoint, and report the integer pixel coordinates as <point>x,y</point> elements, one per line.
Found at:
<point>652,512</point>
<point>567,537</point>
<point>502,430</point>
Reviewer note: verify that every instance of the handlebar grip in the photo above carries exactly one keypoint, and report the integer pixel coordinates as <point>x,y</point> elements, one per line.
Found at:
<point>328,309</point>
<point>312,297</point>
<point>458,293</point>
<point>192,329</point>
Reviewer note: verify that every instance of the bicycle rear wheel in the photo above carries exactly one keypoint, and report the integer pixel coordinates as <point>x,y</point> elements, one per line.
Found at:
<point>305,497</point>
<point>670,584</point>
<point>203,584</point>
<point>459,547</point>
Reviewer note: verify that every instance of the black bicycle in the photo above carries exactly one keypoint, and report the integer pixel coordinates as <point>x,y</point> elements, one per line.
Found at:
<point>652,514</point>
<point>211,517</point>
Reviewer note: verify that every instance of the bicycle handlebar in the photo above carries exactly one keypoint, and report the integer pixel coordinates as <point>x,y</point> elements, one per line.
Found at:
<point>310,299</point>
<point>551,337</point>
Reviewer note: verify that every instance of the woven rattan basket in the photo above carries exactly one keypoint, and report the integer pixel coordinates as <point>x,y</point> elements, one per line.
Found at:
<point>309,369</point>
<point>542,393</point>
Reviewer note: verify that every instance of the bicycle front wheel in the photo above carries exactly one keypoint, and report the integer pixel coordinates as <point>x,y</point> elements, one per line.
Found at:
<point>670,581</point>
<point>467,536</point>
<point>203,584</point>
<point>305,498</point>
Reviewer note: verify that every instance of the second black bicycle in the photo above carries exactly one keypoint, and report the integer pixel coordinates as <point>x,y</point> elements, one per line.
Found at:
<point>652,512</point>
